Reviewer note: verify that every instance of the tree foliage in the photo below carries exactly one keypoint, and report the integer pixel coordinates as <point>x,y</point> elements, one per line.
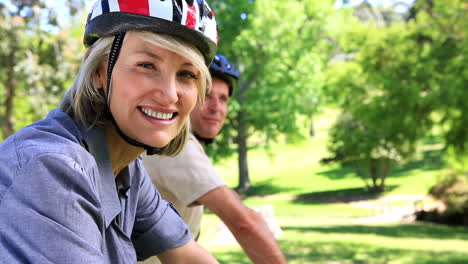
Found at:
<point>280,48</point>
<point>37,61</point>
<point>400,76</point>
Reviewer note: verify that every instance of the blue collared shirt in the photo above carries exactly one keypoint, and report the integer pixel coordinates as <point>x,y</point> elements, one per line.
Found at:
<point>60,201</point>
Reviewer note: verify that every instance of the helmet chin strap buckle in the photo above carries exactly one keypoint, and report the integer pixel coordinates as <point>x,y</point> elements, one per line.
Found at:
<point>204,140</point>
<point>152,150</point>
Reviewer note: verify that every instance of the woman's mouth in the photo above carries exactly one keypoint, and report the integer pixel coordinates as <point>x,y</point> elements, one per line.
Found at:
<point>156,114</point>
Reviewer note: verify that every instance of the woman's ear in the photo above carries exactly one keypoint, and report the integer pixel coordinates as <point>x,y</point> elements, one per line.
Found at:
<point>100,76</point>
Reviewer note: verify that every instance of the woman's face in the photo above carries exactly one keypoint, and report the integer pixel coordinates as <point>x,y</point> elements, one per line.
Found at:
<point>153,91</point>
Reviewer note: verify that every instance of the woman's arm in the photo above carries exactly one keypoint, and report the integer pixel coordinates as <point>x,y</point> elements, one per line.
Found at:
<point>191,253</point>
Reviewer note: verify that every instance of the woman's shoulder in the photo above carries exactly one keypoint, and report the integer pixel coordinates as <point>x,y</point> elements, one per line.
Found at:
<point>49,152</point>
<point>56,135</point>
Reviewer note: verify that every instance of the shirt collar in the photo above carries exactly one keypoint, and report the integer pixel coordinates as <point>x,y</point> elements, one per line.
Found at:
<point>97,146</point>
<point>123,182</point>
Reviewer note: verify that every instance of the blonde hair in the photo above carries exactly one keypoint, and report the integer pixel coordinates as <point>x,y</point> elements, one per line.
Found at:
<point>87,104</point>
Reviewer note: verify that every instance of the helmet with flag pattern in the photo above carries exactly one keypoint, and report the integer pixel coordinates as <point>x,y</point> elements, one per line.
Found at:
<point>189,20</point>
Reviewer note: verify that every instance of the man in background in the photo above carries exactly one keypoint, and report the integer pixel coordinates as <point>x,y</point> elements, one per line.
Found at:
<point>190,181</point>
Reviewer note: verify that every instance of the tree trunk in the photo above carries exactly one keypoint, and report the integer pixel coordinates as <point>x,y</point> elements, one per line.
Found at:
<point>375,172</point>
<point>8,124</point>
<point>312,127</point>
<point>361,170</point>
<point>386,163</point>
<point>244,181</point>
<point>372,173</point>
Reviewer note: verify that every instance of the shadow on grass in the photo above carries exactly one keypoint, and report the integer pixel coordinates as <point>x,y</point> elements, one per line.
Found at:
<point>355,252</point>
<point>399,230</point>
<point>301,251</point>
<point>431,160</point>
<point>338,173</point>
<point>339,196</point>
<point>264,188</point>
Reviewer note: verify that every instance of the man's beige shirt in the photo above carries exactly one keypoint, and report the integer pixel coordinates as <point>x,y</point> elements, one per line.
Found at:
<point>182,180</point>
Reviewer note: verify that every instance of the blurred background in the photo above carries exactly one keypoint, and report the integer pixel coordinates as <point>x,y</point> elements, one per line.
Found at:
<point>347,131</point>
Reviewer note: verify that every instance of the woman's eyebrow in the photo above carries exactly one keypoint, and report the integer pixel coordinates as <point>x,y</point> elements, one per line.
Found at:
<point>155,56</point>
<point>148,53</point>
<point>188,64</point>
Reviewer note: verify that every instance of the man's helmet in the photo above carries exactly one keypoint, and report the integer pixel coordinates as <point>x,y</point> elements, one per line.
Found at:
<point>225,70</point>
<point>189,20</point>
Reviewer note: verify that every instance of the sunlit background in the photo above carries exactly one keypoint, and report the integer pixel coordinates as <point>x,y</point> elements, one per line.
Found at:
<point>353,115</point>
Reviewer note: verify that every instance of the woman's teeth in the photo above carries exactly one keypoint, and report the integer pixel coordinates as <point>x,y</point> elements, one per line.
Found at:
<point>158,115</point>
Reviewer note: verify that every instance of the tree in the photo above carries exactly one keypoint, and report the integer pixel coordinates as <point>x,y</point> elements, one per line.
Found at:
<point>281,48</point>
<point>443,27</point>
<point>400,76</point>
<point>34,71</point>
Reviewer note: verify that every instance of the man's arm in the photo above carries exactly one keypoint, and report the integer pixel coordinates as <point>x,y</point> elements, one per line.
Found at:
<point>191,253</point>
<point>247,226</point>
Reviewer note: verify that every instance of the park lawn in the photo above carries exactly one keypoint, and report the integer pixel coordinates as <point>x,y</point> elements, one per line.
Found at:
<point>335,242</point>
<point>311,204</point>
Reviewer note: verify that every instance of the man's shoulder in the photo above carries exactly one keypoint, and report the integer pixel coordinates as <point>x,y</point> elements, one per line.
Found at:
<point>193,147</point>
<point>192,155</point>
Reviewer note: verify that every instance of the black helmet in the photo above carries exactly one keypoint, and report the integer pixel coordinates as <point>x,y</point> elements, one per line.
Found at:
<point>190,20</point>
<point>225,70</point>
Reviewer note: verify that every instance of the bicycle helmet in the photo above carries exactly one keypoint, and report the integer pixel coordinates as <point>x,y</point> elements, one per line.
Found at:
<point>190,20</point>
<point>222,68</point>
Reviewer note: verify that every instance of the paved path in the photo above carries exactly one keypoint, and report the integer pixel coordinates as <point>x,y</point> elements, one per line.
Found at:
<point>386,212</point>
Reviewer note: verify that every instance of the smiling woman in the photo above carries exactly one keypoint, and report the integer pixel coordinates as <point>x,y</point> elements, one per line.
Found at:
<point>72,186</point>
<point>159,81</point>
<point>158,72</point>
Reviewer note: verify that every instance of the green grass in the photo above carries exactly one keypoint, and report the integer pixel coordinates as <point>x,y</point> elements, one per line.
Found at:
<point>311,204</point>
<point>351,243</point>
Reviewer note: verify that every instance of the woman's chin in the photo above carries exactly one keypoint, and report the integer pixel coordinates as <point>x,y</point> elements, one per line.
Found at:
<point>157,139</point>
<point>158,143</point>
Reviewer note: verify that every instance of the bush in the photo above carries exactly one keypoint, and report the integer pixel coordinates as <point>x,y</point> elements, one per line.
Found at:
<point>452,191</point>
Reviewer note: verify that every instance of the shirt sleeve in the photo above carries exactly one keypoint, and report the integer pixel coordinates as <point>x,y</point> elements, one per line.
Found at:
<point>158,226</point>
<point>186,176</point>
<point>51,214</point>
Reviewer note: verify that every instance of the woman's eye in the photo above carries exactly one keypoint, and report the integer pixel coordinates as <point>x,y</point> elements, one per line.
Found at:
<point>147,65</point>
<point>188,74</point>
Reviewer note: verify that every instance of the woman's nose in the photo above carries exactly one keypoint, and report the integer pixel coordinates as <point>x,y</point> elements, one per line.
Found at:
<point>165,91</point>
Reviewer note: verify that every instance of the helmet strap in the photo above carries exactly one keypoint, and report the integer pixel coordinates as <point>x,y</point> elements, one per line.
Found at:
<point>149,149</point>
<point>204,140</point>
<point>114,54</point>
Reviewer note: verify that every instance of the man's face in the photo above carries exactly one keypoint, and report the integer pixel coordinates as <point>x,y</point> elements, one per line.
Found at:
<point>207,121</point>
